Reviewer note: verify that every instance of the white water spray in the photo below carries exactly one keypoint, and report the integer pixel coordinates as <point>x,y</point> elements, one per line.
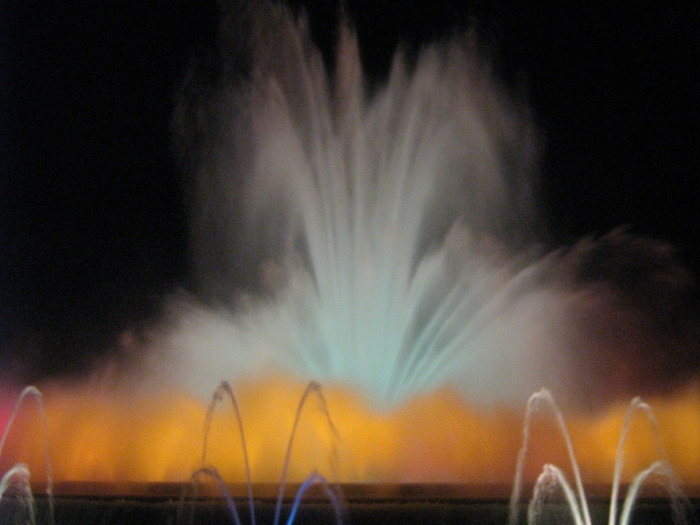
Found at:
<point>553,478</point>
<point>393,227</point>
<point>19,474</point>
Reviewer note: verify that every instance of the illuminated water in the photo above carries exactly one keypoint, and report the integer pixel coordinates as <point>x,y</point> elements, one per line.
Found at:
<point>553,481</point>
<point>552,486</point>
<point>211,472</point>
<point>15,483</point>
<point>17,503</point>
<point>392,232</point>
<point>391,228</point>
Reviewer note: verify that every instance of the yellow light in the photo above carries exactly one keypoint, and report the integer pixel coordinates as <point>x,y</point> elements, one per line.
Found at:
<point>118,435</point>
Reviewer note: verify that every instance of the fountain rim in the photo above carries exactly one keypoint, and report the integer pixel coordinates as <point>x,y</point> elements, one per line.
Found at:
<point>351,492</point>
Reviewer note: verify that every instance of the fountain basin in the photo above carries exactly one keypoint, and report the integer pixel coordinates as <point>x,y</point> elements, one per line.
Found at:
<point>155,503</point>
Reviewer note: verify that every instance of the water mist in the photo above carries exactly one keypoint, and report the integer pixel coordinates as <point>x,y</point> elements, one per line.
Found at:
<point>392,230</point>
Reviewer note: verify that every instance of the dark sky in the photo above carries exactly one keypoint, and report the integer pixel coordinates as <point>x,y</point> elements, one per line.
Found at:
<point>92,213</point>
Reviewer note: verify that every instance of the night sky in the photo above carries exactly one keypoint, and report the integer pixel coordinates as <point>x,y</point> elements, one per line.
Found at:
<point>93,220</point>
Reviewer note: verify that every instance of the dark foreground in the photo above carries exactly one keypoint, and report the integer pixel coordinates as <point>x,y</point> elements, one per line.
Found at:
<point>411,506</point>
<point>90,511</point>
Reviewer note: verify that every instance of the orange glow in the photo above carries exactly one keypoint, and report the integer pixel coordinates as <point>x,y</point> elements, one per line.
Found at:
<point>118,435</point>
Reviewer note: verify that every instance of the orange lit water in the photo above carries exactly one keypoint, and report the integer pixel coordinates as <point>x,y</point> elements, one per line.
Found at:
<point>122,435</point>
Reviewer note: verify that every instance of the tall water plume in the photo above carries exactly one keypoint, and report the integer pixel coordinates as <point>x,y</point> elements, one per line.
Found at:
<point>391,228</point>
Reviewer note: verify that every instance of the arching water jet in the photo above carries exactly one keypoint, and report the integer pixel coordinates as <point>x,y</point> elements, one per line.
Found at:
<point>20,471</point>
<point>553,478</point>
<point>210,472</point>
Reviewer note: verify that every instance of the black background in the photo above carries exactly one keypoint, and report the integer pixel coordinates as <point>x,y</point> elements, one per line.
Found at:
<point>93,221</point>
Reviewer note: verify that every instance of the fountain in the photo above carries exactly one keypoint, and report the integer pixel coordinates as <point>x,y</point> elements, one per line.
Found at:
<point>17,502</point>
<point>394,231</point>
<point>552,477</point>
<point>197,499</point>
<point>18,476</point>
<point>385,268</point>
<point>224,390</point>
<point>396,237</point>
